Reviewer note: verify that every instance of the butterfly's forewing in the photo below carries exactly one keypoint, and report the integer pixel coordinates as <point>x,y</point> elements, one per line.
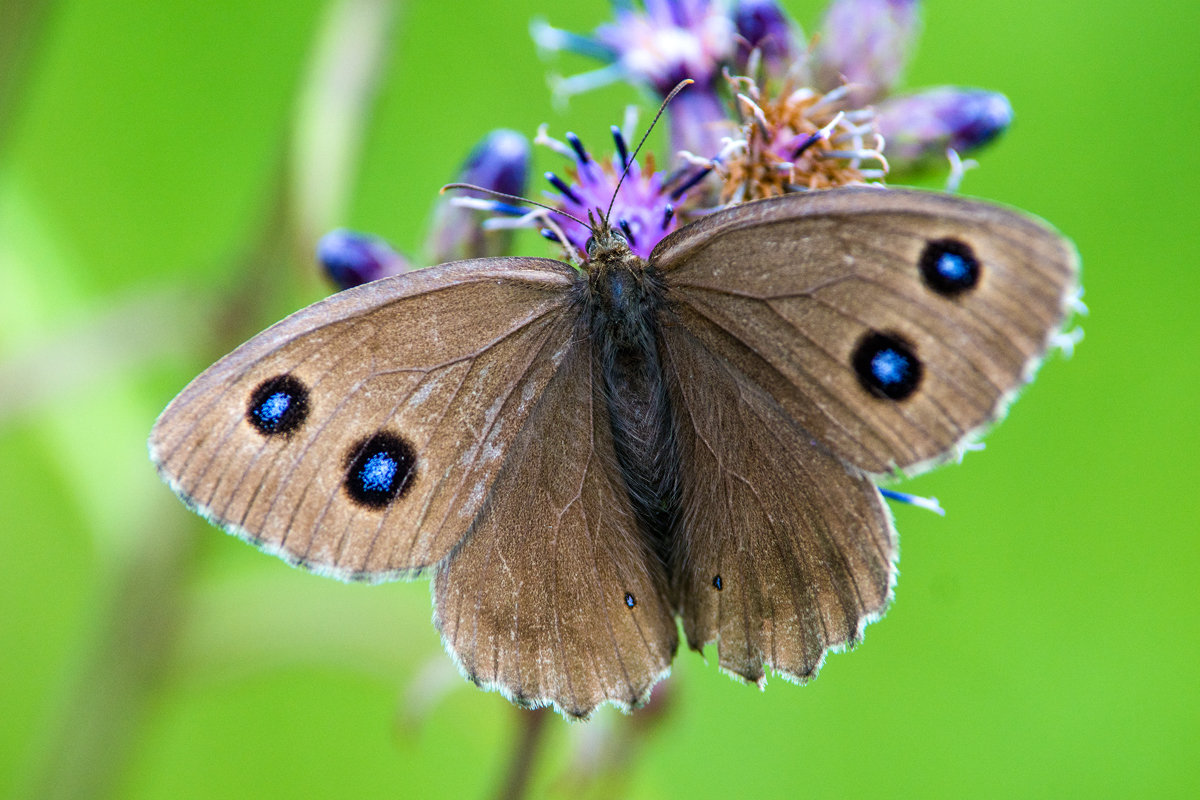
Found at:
<point>889,324</point>
<point>360,436</point>
<point>789,552</point>
<point>554,597</point>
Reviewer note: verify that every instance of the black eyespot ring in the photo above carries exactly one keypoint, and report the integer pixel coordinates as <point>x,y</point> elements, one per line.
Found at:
<point>718,584</point>
<point>949,267</point>
<point>887,366</point>
<point>278,405</point>
<point>379,469</point>
<point>630,602</point>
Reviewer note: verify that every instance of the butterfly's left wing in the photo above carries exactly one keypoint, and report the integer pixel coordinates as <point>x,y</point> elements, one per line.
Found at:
<point>554,597</point>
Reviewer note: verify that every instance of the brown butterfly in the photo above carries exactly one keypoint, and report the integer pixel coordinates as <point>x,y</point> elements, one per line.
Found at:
<point>581,455</point>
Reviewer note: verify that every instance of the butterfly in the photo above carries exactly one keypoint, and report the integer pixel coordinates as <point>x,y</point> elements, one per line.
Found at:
<point>580,456</point>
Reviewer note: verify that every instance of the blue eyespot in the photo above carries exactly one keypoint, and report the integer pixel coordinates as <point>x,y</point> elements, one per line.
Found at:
<point>949,267</point>
<point>278,405</point>
<point>953,267</point>
<point>379,473</point>
<point>890,367</point>
<point>887,366</point>
<point>379,469</point>
<point>629,601</point>
<point>718,584</point>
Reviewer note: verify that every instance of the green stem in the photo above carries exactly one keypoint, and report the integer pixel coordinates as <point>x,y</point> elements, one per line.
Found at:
<point>528,747</point>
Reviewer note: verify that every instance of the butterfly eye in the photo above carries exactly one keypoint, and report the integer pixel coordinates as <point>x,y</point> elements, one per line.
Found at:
<point>380,469</point>
<point>949,267</point>
<point>278,405</point>
<point>590,247</point>
<point>886,366</point>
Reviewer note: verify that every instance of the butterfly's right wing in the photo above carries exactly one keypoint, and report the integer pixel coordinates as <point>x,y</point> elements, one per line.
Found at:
<point>359,437</point>
<point>554,597</point>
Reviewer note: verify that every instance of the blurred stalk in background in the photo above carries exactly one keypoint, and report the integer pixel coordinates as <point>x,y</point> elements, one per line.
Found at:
<point>92,727</point>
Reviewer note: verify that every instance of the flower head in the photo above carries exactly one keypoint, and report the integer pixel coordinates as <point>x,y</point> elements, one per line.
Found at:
<point>865,45</point>
<point>764,27</point>
<point>666,42</point>
<point>921,127</point>
<point>798,139</point>
<point>644,208</point>
<point>658,46</point>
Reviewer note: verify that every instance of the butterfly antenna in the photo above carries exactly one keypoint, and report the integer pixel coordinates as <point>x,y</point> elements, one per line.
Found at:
<point>515,198</point>
<point>629,162</point>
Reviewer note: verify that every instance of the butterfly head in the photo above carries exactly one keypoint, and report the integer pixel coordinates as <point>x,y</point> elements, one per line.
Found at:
<point>622,290</point>
<point>606,242</point>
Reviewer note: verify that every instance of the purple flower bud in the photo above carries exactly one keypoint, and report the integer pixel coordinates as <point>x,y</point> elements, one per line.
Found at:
<point>500,162</point>
<point>919,128</point>
<point>763,25</point>
<point>351,259</point>
<point>865,43</point>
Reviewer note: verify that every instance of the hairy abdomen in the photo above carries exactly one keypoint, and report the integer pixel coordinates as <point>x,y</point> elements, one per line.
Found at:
<point>624,309</point>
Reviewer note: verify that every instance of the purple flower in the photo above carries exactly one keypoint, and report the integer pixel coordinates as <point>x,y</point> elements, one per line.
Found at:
<point>668,41</point>
<point>865,43</point>
<point>645,209</point>
<point>861,52</point>
<point>350,259</point>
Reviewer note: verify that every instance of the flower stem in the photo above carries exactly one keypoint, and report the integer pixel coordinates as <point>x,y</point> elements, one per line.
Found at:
<point>532,734</point>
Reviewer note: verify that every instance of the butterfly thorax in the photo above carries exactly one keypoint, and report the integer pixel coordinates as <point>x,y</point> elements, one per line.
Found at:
<point>624,288</point>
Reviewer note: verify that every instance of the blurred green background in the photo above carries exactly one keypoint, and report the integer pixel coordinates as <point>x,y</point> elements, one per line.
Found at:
<point>162,183</point>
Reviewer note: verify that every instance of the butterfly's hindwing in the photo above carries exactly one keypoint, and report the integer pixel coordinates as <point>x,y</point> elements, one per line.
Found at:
<point>556,597</point>
<point>788,551</point>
